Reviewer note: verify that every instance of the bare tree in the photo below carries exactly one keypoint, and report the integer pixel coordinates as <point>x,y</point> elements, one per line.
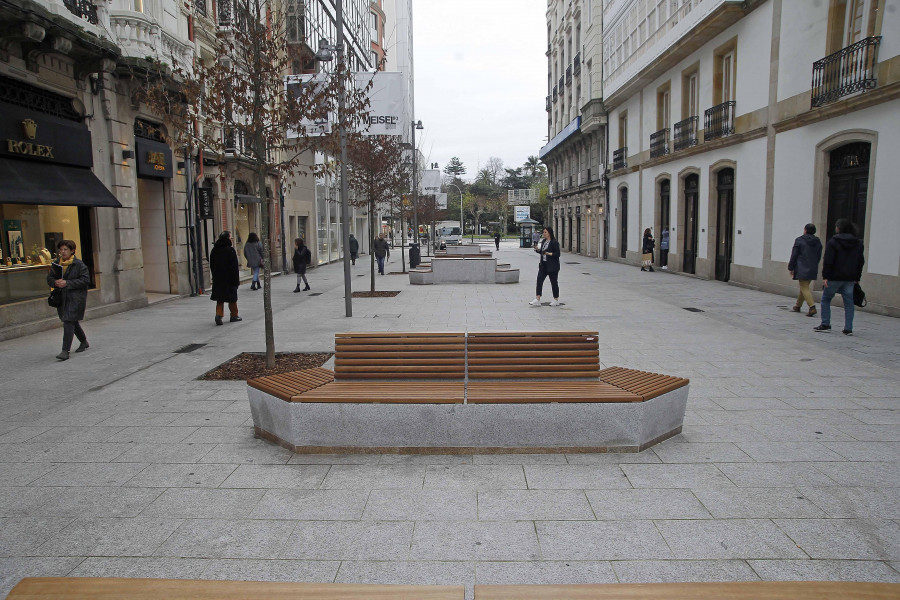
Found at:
<point>238,102</point>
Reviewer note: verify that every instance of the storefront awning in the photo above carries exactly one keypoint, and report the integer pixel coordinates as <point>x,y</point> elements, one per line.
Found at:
<point>33,182</point>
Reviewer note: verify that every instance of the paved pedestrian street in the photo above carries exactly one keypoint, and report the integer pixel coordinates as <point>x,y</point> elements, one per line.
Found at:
<point>119,462</point>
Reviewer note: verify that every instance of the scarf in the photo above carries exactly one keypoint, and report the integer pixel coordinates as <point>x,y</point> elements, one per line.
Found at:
<point>64,266</point>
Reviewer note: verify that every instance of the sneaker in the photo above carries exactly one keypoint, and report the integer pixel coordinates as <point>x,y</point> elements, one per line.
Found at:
<point>822,328</point>
<point>82,347</point>
<point>554,303</point>
<point>218,320</point>
<point>795,308</point>
<point>847,331</point>
<point>64,355</point>
<point>235,319</point>
<point>812,311</point>
<point>535,302</point>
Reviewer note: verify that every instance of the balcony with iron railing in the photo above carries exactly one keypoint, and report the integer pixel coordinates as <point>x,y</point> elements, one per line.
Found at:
<point>686,133</point>
<point>562,83</point>
<point>718,121</point>
<point>620,158</point>
<point>659,143</point>
<point>236,143</point>
<point>83,9</point>
<point>576,66</point>
<point>847,71</point>
<point>569,75</point>
<point>555,93</point>
<point>549,104</point>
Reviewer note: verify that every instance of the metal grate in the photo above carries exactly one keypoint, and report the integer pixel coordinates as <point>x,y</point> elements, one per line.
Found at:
<point>573,263</point>
<point>189,348</point>
<point>316,294</point>
<point>692,309</point>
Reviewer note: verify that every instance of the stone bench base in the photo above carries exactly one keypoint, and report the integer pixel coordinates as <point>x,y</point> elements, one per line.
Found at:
<point>468,428</point>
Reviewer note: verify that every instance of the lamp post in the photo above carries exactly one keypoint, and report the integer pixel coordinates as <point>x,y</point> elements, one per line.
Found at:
<point>415,169</point>
<point>459,240</point>
<point>324,54</point>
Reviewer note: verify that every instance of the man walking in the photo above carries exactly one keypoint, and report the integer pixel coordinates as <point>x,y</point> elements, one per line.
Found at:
<point>841,269</point>
<point>380,249</point>
<point>804,266</point>
<point>354,249</point>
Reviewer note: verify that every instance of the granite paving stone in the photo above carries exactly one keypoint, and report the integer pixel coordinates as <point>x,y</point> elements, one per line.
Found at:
<point>496,540</point>
<point>94,501</point>
<point>775,475</point>
<point>407,573</point>
<point>700,453</point>
<point>374,477</point>
<point>19,474</point>
<point>140,567</point>
<point>771,451</point>
<point>90,474</point>
<point>866,451</point>
<point>825,570</point>
<point>311,505</point>
<point>204,503</point>
<point>856,502</point>
<point>14,569</point>
<point>422,505</point>
<point>601,540</point>
<point>734,538</point>
<point>165,453</point>
<point>93,536</point>
<point>481,477</point>
<point>181,475</point>
<point>544,572</point>
<point>533,505</point>
<point>227,538</point>
<point>848,539</point>
<point>872,474</point>
<point>100,452</point>
<point>23,535</point>
<point>153,435</point>
<point>639,504</point>
<point>256,453</point>
<point>349,540</point>
<point>559,477</point>
<point>276,476</point>
<point>758,503</point>
<point>675,476</point>
<point>674,571</point>
<point>311,571</point>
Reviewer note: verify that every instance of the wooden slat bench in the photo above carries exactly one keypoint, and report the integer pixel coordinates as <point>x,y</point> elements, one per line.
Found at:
<point>743,590</point>
<point>459,392</point>
<point>113,588</point>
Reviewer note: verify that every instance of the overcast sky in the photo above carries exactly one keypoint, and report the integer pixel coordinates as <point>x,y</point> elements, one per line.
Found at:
<point>480,80</point>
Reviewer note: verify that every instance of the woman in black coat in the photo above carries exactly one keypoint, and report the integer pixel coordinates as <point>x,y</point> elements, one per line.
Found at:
<point>548,249</point>
<point>302,257</point>
<point>647,247</point>
<point>223,266</point>
<point>71,277</point>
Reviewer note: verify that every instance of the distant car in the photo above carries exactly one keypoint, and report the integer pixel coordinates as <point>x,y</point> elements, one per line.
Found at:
<point>450,235</point>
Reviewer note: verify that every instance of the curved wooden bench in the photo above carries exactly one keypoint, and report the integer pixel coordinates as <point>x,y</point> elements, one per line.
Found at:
<point>742,590</point>
<point>644,384</point>
<point>533,355</point>
<point>114,588</point>
<point>289,386</point>
<point>383,355</point>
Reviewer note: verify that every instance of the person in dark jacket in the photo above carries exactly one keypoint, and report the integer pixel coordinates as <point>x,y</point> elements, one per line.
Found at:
<point>302,257</point>
<point>647,247</point>
<point>354,249</point>
<point>841,269</point>
<point>253,252</point>
<point>664,249</point>
<point>381,249</point>
<point>72,278</point>
<point>548,266</point>
<point>804,266</point>
<point>497,239</point>
<point>224,268</point>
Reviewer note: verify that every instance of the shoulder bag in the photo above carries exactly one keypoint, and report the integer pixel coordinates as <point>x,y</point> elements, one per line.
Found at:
<point>859,296</point>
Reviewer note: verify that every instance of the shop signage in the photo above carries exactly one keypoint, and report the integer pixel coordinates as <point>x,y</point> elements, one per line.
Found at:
<point>32,135</point>
<point>206,203</point>
<point>154,159</point>
<point>523,213</point>
<point>577,210</point>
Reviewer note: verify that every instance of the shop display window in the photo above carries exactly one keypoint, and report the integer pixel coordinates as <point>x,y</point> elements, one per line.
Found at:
<point>28,241</point>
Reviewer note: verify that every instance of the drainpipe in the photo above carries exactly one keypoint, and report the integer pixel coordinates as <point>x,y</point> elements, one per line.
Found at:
<point>189,221</point>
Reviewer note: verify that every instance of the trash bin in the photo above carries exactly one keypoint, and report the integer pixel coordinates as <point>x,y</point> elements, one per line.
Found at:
<point>415,256</point>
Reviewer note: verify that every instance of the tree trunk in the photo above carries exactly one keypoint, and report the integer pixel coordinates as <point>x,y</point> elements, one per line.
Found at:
<point>266,210</point>
<point>372,248</point>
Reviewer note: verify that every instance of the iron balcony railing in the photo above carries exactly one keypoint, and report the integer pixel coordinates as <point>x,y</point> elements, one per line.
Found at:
<point>562,83</point>
<point>576,66</point>
<point>555,93</point>
<point>686,133</point>
<point>83,9</point>
<point>620,160</point>
<point>659,143</point>
<point>718,121</point>
<point>849,70</point>
<point>549,103</point>
<point>569,75</point>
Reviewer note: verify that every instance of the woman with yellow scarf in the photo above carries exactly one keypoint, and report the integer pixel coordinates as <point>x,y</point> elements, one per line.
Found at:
<point>72,278</point>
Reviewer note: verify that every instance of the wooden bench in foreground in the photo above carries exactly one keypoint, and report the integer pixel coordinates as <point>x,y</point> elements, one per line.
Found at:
<point>738,590</point>
<point>114,588</point>
<point>468,392</point>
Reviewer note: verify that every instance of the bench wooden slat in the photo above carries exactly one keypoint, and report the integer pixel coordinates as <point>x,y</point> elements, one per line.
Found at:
<point>391,360</point>
<point>476,362</point>
<point>484,334</point>
<point>287,385</point>
<point>95,588</point>
<point>647,385</point>
<point>371,348</point>
<point>525,375</point>
<point>402,392</point>
<point>398,334</point>
<point>743,590</point>
<point>545,392</point>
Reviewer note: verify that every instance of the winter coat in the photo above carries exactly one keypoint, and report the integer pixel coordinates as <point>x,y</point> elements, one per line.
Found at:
<point>223,266</point>
<point>649,244</point>
<point>254,254</point>
<point>805,257</point>
<point>843,258</point>
<point>381,248</point>
<point>551,254</point>
<point>354,245</point>
<point>302,257</point>
<point>664,240</point>
<point>74,295</point>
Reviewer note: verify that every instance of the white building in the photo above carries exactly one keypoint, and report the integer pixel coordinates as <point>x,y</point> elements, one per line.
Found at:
<point>717,135</point>
<point>576,149</point>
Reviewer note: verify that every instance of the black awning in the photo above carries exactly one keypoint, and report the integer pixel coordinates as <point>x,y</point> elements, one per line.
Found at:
<point>33,182</point>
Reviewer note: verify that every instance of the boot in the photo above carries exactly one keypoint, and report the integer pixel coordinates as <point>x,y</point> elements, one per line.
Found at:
<point>643,269</point>
<point>64,355</point>
<point>812,311</point>
<point>218,320</point>
<point>297,289</point>
<point>651,269</point>
<point>82,346</point>
<point>235,319</point>
<point>306,288</point>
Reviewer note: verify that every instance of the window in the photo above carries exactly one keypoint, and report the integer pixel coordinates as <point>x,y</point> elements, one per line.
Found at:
<point>724,72</point>
<point>850,21</point>
<point>690,93</point>
<point>663,110</point>
<point>623,129</point>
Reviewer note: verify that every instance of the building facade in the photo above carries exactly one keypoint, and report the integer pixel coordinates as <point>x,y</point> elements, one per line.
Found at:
<point>717,135</point>
<point>576,123</point>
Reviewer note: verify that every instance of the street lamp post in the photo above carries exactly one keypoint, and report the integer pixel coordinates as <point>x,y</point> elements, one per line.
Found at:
<point>459,241</point>
<point>415,168</point>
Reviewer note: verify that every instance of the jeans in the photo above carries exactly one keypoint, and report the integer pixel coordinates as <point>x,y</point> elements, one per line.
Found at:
<point>255,273</point>
<point>380,261</point>
<point>664,257</point>
<point>70,329</point>
<point>542,273</point>
<point>845,289</point>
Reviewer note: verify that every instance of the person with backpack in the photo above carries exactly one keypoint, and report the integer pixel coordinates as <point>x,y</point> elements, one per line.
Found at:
<point>804,266</point>
<point>841,269</point>
<point>302,257</point>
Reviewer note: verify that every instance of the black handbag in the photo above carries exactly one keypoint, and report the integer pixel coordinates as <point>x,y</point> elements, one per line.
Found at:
<point>55,298</point>
<point>859,296</point>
